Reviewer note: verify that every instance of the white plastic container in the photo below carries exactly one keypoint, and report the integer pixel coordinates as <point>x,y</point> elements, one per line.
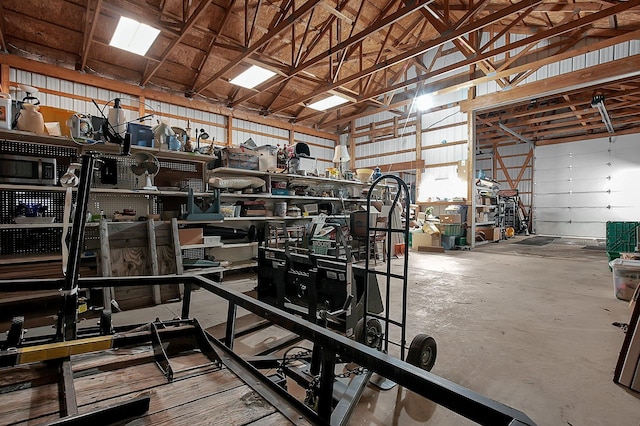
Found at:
<point>5,111</point>
<point>626,276</point>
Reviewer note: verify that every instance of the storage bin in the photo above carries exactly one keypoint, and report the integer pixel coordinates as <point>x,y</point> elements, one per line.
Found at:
<point>622,236</point>
<point>448,242</point>
<point>241,158</point>
<point>455,229</point>
<point>626,276</point>
<point>267,161</point>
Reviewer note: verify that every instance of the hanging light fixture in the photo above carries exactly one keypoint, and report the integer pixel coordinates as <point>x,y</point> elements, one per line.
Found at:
<point>598,103</point>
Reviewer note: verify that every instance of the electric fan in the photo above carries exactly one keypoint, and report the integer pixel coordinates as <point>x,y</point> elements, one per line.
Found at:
<point>148,165</point>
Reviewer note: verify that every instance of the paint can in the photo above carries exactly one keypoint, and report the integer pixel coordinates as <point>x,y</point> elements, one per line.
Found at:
<point>5,111</point>
<point>280,209</point>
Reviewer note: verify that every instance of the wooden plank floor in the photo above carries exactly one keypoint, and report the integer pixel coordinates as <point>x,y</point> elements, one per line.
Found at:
<point>201,392</point>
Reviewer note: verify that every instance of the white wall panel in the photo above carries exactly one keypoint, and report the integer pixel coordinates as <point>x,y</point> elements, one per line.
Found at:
<point>444,154</point>
<point>582,185</point>
<point>439,183</point>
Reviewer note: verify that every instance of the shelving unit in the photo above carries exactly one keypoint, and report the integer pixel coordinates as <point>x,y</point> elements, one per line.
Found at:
<point>176,167</point>
<point>487,216</point>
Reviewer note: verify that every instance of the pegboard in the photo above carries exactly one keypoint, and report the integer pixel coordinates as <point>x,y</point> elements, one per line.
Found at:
<point>10,199</point>
<point>64,155</point>
<point>196,254</point>
<point>126,178</point>
<point>110,203</point>
<point>30,241</point>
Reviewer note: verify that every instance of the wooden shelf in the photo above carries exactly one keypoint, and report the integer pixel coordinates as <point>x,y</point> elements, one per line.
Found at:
<point>442,203</point>
<point>106,147</point>
<point>40,225</point>
<point>284,176</point>
<point>218,245</point>
<point>264,218</point>
<point>267,196</point>
<point>28,258</point>
<point>18,187</point>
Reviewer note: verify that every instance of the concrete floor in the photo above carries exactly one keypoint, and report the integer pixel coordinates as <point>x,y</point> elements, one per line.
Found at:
<point>528,326</point>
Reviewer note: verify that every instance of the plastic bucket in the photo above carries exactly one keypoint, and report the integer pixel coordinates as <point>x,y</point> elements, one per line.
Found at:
<point>5,111</point>
<point>448,242</point>
<point>280,209</point>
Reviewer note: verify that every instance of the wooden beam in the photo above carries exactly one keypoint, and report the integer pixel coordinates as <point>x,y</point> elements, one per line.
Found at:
<point>212,44</point>
<point>19,62</point>
<point>598,74</point>
<point>540,36</point>
<point>424,47</point>
<point>3,41</point>
<point>4,78</point>
<point>326,6</point>
<point>375,27</point>
<point>306,8</point>
<point>183,32</point>
<point>406,165</point>
<point>89,29</point>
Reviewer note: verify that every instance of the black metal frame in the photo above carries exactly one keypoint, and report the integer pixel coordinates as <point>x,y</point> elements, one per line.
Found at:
<point>457,398</point>
<point>401,194</point>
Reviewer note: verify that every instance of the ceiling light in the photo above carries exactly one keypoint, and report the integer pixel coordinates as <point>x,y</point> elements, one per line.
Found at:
<point>424,102</point>
<point>327,103</point>
<point>252,77</point>
<point>598,103</point>
<point>133,36</point>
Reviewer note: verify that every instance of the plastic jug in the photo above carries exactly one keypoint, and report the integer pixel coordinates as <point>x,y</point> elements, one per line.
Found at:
<point>30,119</point>
<point>5,111</point>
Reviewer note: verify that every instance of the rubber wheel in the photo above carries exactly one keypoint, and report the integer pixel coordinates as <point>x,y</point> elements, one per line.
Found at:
<point>106,326</point>
<point>422,352</point>
<point>14,337</point>
<point>371,335</point>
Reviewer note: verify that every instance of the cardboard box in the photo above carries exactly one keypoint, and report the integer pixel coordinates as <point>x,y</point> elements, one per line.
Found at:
<point>420,239</point>
<point>450,218</point>
<point>189,236</point>
<point>490,234</point>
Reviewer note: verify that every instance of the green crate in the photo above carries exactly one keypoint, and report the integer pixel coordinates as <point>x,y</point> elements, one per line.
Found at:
<point>622,236</point>
<point>453,229</point>
<point>322,246</point>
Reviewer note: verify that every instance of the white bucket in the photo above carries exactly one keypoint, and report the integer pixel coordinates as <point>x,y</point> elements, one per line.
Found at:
<point>5,111</point>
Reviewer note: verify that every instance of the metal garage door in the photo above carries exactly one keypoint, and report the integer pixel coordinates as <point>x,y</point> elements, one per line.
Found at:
<point>579,186</point>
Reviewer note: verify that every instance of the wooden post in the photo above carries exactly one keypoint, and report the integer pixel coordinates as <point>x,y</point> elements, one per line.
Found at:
<point>229,130</point>
<point>4,78</point>
<point>418,152</point>
<point>177,253</point>
<point>108,293</point>
<point>352,145</point>
<point>153,258</point>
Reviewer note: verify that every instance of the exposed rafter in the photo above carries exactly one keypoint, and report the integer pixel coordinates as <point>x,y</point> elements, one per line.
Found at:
<point>183,33</point>
<point>91,20</point>
<point>306,8</point>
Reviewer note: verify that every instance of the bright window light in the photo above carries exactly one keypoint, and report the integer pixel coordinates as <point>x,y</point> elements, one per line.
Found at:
<point>133,36</point>
<point>327,103</point>
<point>252,77</point>
<point>424,102</point>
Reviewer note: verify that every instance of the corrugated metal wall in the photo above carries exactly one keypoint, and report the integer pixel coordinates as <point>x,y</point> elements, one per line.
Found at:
<point>78,97</point>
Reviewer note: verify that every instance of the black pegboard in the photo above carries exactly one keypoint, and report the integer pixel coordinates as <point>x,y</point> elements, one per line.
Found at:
<point>64,155</point>
<point>30,241</point>
<point>10,199</point>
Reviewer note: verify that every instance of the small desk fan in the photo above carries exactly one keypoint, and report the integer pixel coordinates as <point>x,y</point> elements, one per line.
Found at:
<point>148,165</point>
